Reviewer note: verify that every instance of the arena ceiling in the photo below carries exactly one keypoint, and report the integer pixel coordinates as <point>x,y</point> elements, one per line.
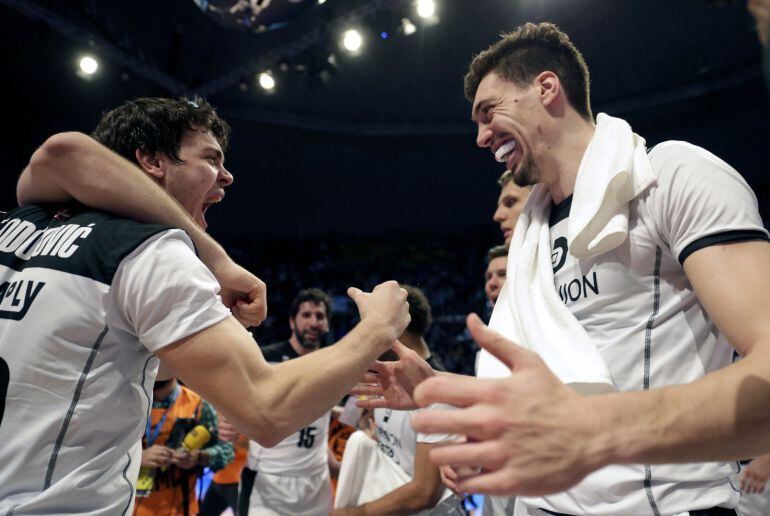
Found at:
<point>382,141</point>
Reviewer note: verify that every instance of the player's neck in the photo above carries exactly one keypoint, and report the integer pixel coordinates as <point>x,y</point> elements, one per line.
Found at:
<point>416,343</point>
<point>563,158</point>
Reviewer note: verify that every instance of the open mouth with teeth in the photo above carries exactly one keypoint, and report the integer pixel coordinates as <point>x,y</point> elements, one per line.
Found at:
<point>509,153</point>
<point>505,151</point>
<point>205,206</point>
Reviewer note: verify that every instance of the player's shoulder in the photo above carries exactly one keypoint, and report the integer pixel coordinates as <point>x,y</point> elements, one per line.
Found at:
<point>674,156</point>
<point>675,149</point>
<point>99,223</point>
<point>72,238</point>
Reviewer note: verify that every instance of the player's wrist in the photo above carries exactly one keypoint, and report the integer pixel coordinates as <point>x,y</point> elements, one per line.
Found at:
<point>382,331</point>
<point>213,255</point>
<point>604,442</point>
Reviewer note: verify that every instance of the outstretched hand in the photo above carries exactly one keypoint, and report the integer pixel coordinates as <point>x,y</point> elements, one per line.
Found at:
<point>391,384</point>
<point>527,434</point>
<point>243,293</point>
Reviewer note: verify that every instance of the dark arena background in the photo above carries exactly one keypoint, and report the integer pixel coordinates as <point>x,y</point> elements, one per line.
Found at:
<point>358,167</point>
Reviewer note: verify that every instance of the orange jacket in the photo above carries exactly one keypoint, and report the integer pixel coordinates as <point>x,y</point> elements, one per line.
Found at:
<point>231,474</point>
<point>166,495</point>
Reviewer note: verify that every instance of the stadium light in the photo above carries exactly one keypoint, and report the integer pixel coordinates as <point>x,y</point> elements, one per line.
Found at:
<point>88,65</point>
<point>266,81</point>
<point>407,27</point>
<point>426,8</point>
<point>352,40</point>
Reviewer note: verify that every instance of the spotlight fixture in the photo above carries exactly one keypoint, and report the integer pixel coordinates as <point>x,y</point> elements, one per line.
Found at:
<point>352,40</point>
<point>426,8</point>
<point>266,81</point>
<point>88,65</point>
<point>407,27</point>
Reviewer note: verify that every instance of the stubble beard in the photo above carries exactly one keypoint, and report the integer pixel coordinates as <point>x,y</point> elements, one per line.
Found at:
<point>307,344</point>
<point>528,173</point>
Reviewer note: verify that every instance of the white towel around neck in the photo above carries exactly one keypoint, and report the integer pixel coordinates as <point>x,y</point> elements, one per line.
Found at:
<point>614,170</point>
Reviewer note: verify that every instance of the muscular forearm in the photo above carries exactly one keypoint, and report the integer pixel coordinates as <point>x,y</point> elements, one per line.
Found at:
<point>75,166</point>
<point>301,390</point>
<point>723,416</point>
<point>271,401</point>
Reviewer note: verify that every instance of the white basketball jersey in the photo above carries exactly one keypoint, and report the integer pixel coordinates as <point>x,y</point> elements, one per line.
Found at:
<point>87,298</point>
<point>638,306</point>
<point>397,439</point>
<point>303,453</point>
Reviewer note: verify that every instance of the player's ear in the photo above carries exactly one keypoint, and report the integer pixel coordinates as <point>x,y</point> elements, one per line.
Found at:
<point>152,163</point>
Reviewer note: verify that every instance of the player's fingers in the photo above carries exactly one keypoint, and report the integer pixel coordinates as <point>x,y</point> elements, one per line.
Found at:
<point>371,378</point>
<point>373,403</point>
<point>366,390</point>
<point>486,454</point>
<point>497,483</point>
<point>460,391</point>
<point>503,349</point>
<point>474,422</point>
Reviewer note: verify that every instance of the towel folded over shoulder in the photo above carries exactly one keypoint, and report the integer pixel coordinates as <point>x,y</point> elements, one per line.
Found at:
<point>614,170</point>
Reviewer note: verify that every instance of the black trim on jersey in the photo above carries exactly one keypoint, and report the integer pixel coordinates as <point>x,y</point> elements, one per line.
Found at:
<point>247,485</point>
<point>276,352</point>
<point>71,411</point>
<point>12,509</point>
<point>130,485</point>
<point>98,254</point>
<point>560,211</point>
<point>738,235</point>
<point>647,354</point>
<point>144,389</point>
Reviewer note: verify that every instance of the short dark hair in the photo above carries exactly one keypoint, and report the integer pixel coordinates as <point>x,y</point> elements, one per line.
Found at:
<point>497,251</point>
<point>315,295</point>
<point>527,51</point>
<point>419,310</point>
<point>158,125</point>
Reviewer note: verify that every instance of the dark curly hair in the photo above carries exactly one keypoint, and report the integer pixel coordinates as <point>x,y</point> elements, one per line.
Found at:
<point>527,51</point>
<point>158,125</point>
<point>315,295</point>
<point>419,310</point>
